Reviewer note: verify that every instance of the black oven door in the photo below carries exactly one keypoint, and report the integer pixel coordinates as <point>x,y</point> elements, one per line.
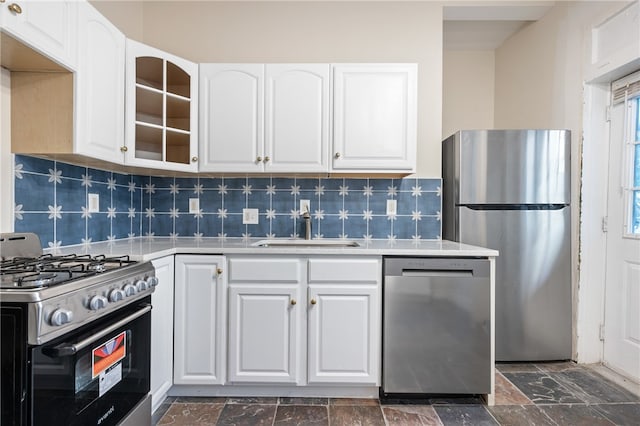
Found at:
<point>96,375</point>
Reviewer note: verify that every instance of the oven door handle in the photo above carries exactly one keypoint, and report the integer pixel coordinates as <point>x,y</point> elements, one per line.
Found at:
<point>67,350</point>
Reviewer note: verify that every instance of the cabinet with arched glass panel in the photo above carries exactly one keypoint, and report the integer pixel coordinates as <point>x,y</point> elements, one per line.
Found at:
<point>161,109</point>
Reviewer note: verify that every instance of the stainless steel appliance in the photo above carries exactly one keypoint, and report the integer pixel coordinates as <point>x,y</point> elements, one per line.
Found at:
<point>436,326</point>
<point>75,333</point>
<point>509,190</point>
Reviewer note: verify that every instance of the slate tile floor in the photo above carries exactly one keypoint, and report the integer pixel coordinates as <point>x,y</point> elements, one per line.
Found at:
<point>526,394</point>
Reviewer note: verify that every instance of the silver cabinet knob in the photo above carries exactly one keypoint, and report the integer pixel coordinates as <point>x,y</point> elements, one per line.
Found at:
<point>337,155</point>
<point>60,317</point>
<point>98,302</point>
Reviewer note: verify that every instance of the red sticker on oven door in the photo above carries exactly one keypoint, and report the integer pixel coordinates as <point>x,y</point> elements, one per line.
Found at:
<point>107,354</point>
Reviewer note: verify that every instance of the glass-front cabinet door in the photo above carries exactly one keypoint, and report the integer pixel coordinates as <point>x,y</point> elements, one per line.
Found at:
<point>161,128</point>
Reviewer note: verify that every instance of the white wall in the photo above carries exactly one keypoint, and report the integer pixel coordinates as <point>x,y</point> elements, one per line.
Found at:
<point>314,32</point>
<point>468,85</point>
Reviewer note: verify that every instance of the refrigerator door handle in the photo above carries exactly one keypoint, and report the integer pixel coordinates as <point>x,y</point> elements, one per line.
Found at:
<point>514,206</point>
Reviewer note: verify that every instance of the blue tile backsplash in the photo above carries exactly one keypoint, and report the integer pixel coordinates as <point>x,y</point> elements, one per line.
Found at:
<point>51,199</point>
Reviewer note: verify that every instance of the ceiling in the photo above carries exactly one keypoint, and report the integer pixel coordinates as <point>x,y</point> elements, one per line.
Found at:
<point>485,25</point>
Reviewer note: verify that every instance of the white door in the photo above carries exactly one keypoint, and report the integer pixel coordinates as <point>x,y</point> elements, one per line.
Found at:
<point>622,291</point>
<point>231,117</point>
<point>296,117</point>
<point>162,331</point>
<point>264,324</point>
<point>343,334</point>
<point>100,87</point>
<point>200,289</point>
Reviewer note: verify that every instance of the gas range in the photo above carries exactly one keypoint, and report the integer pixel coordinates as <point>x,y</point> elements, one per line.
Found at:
<point>63,293</point>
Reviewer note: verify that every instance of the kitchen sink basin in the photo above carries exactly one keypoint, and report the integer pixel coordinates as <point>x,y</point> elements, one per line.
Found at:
<point>294,242</point>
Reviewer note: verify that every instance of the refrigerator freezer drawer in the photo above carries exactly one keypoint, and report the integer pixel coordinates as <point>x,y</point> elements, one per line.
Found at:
<point>513,167</point>
<point>533,279</point>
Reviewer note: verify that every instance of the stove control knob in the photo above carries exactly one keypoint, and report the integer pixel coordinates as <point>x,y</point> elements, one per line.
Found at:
<point>98,302</point>
<point>142,285</point>
<point>60,317</point>
<point>153,281</point>
<point>129,289</point>
<point>116,295</point>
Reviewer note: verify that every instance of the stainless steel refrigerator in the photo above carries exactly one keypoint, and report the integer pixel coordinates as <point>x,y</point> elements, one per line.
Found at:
<point>509,190</point>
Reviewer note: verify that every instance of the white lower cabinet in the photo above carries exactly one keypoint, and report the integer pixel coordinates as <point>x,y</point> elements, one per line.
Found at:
<point>344,325</point>
<point>289,315</point>
<point>162,331</point>
<point>200,325</point>
<point>265,319</point>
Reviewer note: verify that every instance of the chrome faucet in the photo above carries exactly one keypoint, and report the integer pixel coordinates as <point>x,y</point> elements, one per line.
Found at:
<point>307,223</point>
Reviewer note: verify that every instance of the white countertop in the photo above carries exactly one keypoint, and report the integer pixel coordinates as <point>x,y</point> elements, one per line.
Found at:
<point>149,248</point>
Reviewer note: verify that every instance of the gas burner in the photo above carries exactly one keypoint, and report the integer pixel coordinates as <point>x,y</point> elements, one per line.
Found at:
<point>37,279</point>
<point>49,270</point>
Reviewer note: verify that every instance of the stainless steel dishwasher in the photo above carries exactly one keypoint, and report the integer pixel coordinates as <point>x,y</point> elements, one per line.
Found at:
<point>436,326</point>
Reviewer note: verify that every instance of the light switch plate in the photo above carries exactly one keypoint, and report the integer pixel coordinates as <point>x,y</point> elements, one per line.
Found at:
<point>392,207</point>
<point>194,205</point>
<point>305,206</point>
<point>249,216</point>
<point>93,203</point>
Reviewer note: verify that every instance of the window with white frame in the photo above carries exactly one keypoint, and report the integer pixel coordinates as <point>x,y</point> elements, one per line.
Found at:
<point>634,152</point>
<point>627,90</point>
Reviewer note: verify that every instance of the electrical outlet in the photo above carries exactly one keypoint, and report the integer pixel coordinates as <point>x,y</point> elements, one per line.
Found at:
<point>249,216</point>
<point>305,206</point>
<point>392,207</point>
<point>93,203</point>
<point>194,205</point>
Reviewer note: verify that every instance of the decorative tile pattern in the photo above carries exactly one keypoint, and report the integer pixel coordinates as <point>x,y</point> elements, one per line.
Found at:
<point>132,205</point>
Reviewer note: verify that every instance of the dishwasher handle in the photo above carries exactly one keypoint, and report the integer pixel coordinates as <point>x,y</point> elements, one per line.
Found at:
<point>437,273</point>
<point>436,267</point>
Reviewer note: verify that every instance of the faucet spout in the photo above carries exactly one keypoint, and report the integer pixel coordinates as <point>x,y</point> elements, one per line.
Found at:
<point>307,224</point>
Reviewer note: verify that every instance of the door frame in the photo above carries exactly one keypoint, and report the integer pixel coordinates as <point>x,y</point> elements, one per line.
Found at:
<point>593,213</point>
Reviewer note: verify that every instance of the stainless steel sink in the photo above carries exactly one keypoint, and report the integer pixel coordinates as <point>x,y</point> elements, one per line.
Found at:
<point>294,242</point>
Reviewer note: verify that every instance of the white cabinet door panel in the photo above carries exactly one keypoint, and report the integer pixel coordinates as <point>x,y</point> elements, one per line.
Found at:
<point>199,320</point>
<point>100,87</point>
<point>344,334</point>
<point>297,117</point>
<point>46,26</point>
<point>375,115</point>
<point>264,323</point>
<point>231,117</point>
<point>162,331</point>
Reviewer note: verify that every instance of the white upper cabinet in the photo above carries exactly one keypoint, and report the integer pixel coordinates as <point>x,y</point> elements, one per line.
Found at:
<point>231,117</point>
<point>296,118</point>
<point>161,109</point>
<point>374,118</point>
<point>48,27</point>
<point>264,118</point>
<point>99,87</point>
